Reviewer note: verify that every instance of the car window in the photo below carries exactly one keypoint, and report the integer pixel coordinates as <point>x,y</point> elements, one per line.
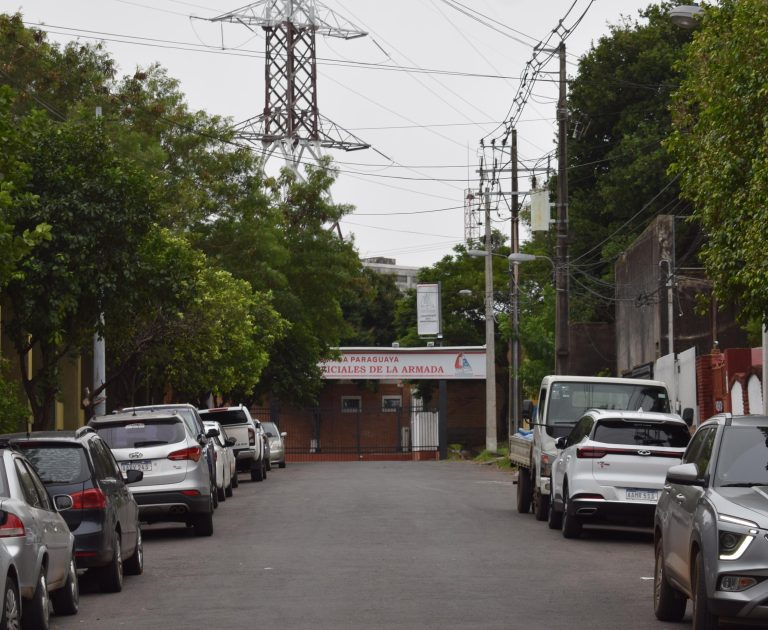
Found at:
<point>28,488</point>
<point>700,449</point>
<point>142,433</point>
<point>225,417</point>
<point>190,419</point>
<point>102,461</point>
<point>641,433</point>
<point>42,493</point>
<point>61,463</point>
<point>743,457</point>
<point>581,430</point>
<point>271,429</point>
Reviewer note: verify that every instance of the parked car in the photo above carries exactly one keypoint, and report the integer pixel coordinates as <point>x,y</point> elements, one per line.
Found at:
<point>221,456</point>
<point>249,445</point>
<point>229,444</point>
<point>190,414</point>
<point>38,540</point>
<point>611,467</point>
<point>276,443</point>
<point>711,527</point>
<point>176,486</point>
<point>9,587</point>
<point>104,516</point>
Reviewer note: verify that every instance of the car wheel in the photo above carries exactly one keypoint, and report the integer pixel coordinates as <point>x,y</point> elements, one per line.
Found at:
<point>221,494</point>
<point>112,574</point>
<point>555,520</point>
<point>257,472</point>
<point>281,464</point>
<point>701,618</point>
<point>523,491</point>
<point>269,464</point>
<point>265,466</point>
<point>36,613</point>
<point>215,495</point>
<point>571,523</point>
<point>235,480</point>
<point>135,564</point>
<point>228,489</point>
<point>668,604</point>
<point>540,505</point>
<point>11,617</point>
<point>66,600</point>
<point>203,524</point>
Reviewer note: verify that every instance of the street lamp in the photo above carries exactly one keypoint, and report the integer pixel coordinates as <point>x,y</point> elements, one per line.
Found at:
<point>686,15</point>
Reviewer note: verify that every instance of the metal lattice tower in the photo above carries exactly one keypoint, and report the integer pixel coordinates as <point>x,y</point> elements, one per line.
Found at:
<point>291,122</point>
<point>472,214</point>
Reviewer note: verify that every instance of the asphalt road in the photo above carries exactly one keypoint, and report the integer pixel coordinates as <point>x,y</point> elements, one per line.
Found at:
<point>379,545</point>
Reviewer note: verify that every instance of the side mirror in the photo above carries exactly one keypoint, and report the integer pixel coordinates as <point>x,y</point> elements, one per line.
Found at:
<point>230,441</point>
<point>561,443</point>
<point>133,476</point>
<point>527,411</point>
<point>212,433</point>
<point>284,434</point>
<point>688,416</point>
<point>63,502</point>
<point>685,475</point>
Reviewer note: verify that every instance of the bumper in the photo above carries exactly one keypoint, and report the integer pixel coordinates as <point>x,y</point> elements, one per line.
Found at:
<point>92,549</point>
<point>602,511</point>
<point>171,506</point>
<point>748,606</point>
<point>277,455</point>
<point>246,458</point>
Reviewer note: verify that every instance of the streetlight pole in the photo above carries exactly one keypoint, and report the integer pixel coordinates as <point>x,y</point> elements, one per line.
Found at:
<point>490,346</point>
<point>562,342</point>
<point>513,422</point>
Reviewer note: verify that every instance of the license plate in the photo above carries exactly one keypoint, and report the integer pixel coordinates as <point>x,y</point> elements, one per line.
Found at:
<point>638,494</point>
<point>141,464</point>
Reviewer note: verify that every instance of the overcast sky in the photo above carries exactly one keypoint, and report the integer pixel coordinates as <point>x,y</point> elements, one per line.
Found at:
<point>425,127</point>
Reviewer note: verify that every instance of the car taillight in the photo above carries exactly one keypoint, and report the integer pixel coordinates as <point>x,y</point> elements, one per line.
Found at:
<point>91,499</point>
<point>10,525</point>
<point>193,452</point>
<point>590,452</point>
<point>251,436</point>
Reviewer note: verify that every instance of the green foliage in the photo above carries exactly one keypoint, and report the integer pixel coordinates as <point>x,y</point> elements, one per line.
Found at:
<point>13,411</point>
<point>720,149</point>
<point>369,310</point>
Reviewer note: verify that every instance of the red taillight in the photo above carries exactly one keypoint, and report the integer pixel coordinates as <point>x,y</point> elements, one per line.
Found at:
<point>590,452</point>
<point>588,497</point>
<point>193,452</point>
<point>11,526</point>
<point>191,493</point>
<point>92,499</point>
<point>251,436</point>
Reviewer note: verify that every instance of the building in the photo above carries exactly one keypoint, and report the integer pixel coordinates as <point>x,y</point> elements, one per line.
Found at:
<point>405,277</point>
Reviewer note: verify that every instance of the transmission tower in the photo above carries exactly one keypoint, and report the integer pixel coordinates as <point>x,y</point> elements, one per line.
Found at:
<point>291,122</point>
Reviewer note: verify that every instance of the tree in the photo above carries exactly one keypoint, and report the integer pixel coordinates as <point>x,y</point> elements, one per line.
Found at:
<point>369,310</point>
<point>720,152</point>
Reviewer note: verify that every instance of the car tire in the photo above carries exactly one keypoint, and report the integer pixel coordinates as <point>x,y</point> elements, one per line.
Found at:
<point>668,604</point>
<point>221,494</point>
<point>112,574</point>
<point>11,616</point>
<point>523,491</point>
<point>228,489</point>
<point>66,600</point>
<point>135,564</point>
<point>36,613</point>
<point>203,524</point>
<point>257,471</point>
<point>265,464</point>
<point>281,464</point>
<point>235,479</point>
<point>215,495</point>
<point>540,504</point>
<point>571,524</point>
<point>701,618</point>
<point>555,520</point>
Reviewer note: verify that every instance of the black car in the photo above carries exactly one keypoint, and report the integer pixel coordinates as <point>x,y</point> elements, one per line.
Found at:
<point>104,516</point>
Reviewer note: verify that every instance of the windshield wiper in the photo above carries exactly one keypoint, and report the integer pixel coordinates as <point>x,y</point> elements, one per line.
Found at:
<point>149,443</point>
<point>744,484</point>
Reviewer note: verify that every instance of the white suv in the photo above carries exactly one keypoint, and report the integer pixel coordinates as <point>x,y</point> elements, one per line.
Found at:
<point>249,448</point>
<point>612,467</point>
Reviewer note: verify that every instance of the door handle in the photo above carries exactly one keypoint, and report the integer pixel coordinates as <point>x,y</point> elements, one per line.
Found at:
<point>667,488</point>
<point>680,498</point>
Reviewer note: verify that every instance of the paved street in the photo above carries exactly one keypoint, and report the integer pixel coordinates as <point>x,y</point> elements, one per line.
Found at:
<point>380,545</point>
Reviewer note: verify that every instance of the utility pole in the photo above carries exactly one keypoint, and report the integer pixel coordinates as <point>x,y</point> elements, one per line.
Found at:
<point>513,422</point>
<point>99,402</point>
<point>562,342</point>
<point>490,346</point>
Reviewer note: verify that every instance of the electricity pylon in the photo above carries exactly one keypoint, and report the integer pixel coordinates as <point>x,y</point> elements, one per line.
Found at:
<point>291,122</point>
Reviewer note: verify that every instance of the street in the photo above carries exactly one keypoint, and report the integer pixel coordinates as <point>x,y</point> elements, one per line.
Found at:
<point>379,545</point>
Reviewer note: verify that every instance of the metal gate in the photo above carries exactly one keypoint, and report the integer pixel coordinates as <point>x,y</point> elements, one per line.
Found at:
<point>322,434</point>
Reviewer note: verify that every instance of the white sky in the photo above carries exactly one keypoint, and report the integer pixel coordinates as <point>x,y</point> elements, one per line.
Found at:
<point>429,123</point>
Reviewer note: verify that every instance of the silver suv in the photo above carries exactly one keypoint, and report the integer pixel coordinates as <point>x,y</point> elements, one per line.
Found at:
<point>711,526</point>
<point>177,483</point>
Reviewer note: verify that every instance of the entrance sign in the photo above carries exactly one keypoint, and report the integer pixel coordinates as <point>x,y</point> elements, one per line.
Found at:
<point>428,314</point>
<point>407,364</point>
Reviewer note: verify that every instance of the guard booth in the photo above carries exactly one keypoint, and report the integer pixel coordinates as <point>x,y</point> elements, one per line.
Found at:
<point>368,410</point>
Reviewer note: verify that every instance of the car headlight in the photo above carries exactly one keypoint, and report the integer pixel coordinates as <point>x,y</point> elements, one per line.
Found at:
<point>736,583</point>
<point>731,542</point>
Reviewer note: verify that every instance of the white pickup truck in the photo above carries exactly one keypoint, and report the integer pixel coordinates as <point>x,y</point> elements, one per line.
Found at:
<point>562,401</point>
<point>249,448</point>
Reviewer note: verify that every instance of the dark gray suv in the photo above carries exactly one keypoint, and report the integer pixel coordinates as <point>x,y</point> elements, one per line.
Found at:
<point>711,527</point>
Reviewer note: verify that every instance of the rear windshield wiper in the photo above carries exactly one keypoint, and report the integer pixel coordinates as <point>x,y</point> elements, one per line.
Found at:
<point>149,443</point>
<point>744,484</point>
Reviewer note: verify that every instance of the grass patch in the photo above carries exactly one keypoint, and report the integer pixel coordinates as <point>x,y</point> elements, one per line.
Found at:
<point>499,457</point>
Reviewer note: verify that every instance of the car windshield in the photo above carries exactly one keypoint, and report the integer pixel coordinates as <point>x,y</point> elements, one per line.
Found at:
<point>142,432</point>
<point>641,433</point>
<point>270,428</point>
<point>743,457</point>
<point>60,463</point>
<point>569,400</point>
<point>225,417</point>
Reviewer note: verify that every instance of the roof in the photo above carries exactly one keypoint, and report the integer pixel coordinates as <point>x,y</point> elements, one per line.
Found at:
<point>565,378</point>
<point>134,415</point>
<point>753,420</point>
<point>647,416</point>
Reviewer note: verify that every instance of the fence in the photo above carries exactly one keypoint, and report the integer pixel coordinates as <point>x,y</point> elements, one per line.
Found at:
<point>321,434</point>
